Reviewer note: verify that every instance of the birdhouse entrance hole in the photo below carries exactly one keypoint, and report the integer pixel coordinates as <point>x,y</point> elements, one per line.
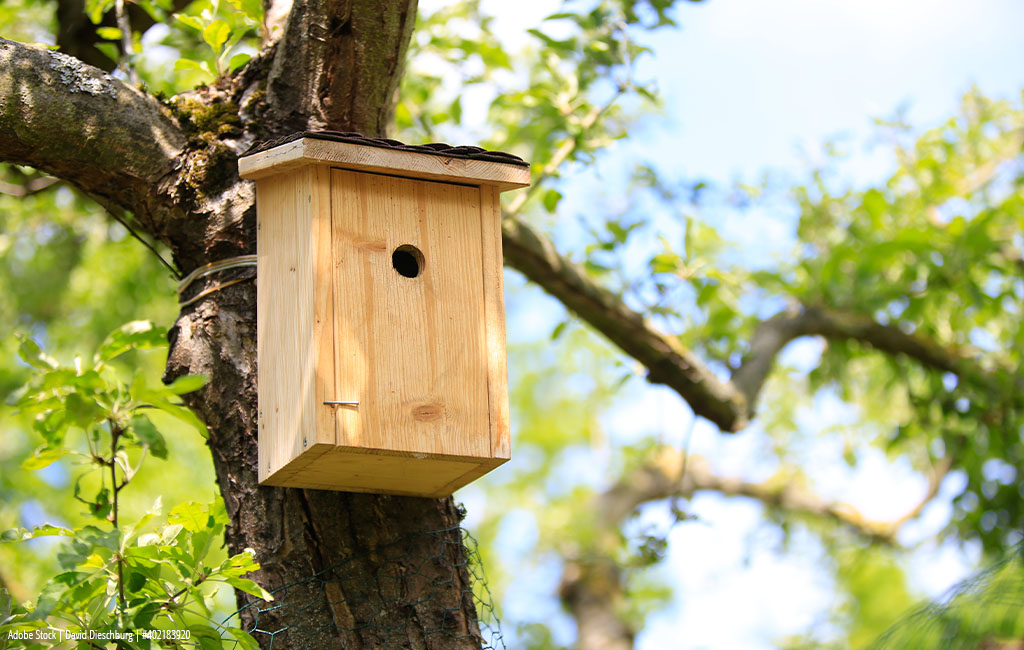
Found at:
<point>407,260</point>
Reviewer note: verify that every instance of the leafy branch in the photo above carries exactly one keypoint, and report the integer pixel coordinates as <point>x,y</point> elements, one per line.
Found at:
<point>123,578</point>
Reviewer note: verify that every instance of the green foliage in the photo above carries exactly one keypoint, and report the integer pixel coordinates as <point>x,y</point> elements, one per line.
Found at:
<point>933,248</point>
<point>69,275</point>
<point>221,30</point>
<point>984,611</point>
<point>544,102</point>
<point>935,251</point>
<point>118,575</point>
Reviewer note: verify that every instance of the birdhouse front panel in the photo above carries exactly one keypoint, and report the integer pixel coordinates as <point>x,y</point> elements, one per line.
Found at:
<point>408,260</point>
<point>381,343</point>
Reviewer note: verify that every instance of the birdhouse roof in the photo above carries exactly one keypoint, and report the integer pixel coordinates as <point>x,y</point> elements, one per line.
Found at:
<point>434,161</point>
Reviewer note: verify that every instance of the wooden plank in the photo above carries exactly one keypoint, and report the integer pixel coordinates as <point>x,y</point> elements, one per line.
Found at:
<point>284,306</point>
<point>345,155</point>
<point>326,467</point>
<point>323,305</point>
<point>411,351</point>
<point>494,319</point>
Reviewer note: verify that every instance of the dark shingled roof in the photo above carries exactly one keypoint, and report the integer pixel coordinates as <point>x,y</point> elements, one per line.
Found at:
<point>434,148</point>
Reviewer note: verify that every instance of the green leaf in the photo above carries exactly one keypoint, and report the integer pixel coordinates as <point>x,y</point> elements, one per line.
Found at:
<point>253,9</point>
<point>144,616</point>
<point>44,458</point>
<point>249,587</point>
<point>46,530</point>
<point>109,33</point>
<point>201,542</point>
<point>170,533</point>
<point>96,9</point>
<point>109,50</point>
<point>191,21</point>
<point>665,263</point>
<point>32,354</point>
<point>245,642</point>
<point>83,410</point>
<point>187,384</point>
<point>189,64</point>
<point>100,506</point>
<point>136,335</point>
<point>238,60</point>
<point>216,34</point>
<point>180,413</point>
<point>551,200</point>
<point>207,636</point>
<point>875,205</point>
<point>53,427</point>
<point>194,516</point>
<point>149,436</point>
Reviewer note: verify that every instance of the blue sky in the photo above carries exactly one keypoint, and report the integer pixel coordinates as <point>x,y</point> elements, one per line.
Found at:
<point>756,86</point>
<point>749,83</point>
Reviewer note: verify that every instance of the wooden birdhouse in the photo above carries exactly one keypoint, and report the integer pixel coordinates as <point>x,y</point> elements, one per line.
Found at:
<point>380,313</point>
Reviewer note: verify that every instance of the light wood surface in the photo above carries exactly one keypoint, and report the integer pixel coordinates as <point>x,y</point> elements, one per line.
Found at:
<point>305,151</point>
<point>494,318</point>
<point>411,351</point>
<point>424,357</point>
<point>323,306</point>
<point>327,467</point>
<point>284,299</point>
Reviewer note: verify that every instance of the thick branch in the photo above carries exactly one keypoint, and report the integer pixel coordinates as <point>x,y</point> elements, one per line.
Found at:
<point>592,587</point>
<point>773,335</point>
<point>664,478</point>
<point>78,124</point>
<point>728,404</point>
<point>667,361</point>
<point>338,64</point>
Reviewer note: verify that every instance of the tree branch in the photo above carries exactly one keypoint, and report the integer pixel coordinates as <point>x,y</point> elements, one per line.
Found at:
<point>775,333</point>
<point>338,64</point>
<point>663,478</point>
<point>667,361</point>
<point>29,187</point>
<point>592,587</point>
<point>74,122</point>
<point>728,404</point>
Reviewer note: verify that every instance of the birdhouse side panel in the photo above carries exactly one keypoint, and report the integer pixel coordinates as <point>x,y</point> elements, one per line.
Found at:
<point>410,332</point>
<point>494,318</point>
<point>286,354</point>
<point>323,303</point>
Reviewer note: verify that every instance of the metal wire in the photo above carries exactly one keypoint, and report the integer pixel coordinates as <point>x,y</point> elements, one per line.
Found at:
<point>213,267</point>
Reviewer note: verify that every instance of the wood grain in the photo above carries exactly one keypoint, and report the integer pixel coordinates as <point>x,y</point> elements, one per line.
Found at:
<point>494,319</point>
<point>412,351</point>
<point>327,467</point>
<point>323,306</point>
<point>284,299</point>
<point>345,155</point>
<point>423,356</point>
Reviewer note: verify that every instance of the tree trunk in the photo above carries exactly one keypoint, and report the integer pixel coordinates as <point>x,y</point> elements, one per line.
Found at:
<point>348,570</point>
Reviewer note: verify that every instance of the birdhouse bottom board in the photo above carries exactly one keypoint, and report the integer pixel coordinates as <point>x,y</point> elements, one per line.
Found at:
<point>381,332</point>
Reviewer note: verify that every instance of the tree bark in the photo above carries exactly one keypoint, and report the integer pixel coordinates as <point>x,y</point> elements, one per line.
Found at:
<point>351,570</point>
